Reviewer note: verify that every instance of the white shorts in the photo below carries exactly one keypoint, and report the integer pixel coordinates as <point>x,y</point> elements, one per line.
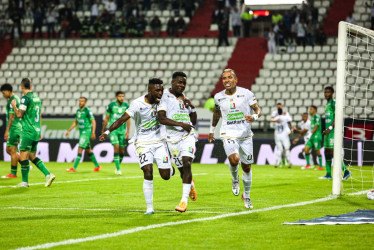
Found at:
<point>282,141</point>
<point>184,147</point>
<point>243,147</point>
<point>153,153</point>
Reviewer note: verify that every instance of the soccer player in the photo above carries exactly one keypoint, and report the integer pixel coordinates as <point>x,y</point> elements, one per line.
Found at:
<point>179,115</point>
<point>13,129</point>
<point>239,108</point>
<point>328,142</point>
<point>87,127</point>
<point>118,138</point>
<point>282,121</point>
<point>30,114</point>
<point>150,146</point>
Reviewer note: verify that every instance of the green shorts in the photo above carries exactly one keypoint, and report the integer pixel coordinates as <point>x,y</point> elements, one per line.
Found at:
<point>116,139</point>
<point>314,143</point>
<point>28,144</point>
<point>13,140</point>
<point>329,140</point>
<point>85,140</point>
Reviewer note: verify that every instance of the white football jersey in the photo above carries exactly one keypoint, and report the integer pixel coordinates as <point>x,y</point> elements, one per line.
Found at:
<point>233,109</point>
<point>148,128</point>
<point>306,125</point>
<point>282,127</point>
<point>176,111</point>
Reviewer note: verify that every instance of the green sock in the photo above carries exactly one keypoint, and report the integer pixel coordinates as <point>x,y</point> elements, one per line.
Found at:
<point>121,158</point>
<point>40,164</point>
<point>25,170</point>
<point>307,158</point>
<point>13,170</point>
<point>328,165</point>
<point>77,161</point>
<point>116,161</point>
<point>320,161</point>
<point>343,166</point>
<point>93,159</point>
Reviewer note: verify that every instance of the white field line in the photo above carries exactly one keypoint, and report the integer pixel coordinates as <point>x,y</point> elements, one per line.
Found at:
<point>96,179</point>
<point>144,228</point>
<point>104,209</point>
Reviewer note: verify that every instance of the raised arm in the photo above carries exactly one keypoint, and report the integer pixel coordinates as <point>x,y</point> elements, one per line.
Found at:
<point>71,127</point>
<point>169,122</point>
<point>216,116</point>
<point>115,126</point>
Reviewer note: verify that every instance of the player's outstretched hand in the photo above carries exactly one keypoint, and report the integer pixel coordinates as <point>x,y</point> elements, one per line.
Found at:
<point>103,137</point>
<point>326,132</point>
<point>248,118</point>
<point>211,137</point>
<point>187,103</point>
<point>67,134</point>
<point>187,126</point>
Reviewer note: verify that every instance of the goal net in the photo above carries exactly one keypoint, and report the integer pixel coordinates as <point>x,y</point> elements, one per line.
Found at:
<point>354,111</point>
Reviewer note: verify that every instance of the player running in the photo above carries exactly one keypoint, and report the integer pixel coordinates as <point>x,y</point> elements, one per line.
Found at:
<point>13,129</point>
<point>150,146</point>
<point>328,142</point>
<point>282,121</point>
<point>87,127</point>
<point>30,114</point>
<point>239,108</point>
<point>118,138</point>
<point>179,115</point>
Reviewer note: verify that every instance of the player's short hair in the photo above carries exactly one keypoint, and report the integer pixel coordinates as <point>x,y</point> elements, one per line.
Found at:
<point>6,86</point>
<point>178,73</point>
<point>229,70</point>
<point>305,113</point>
<point>26,82</point>
<point>155,81</point>
<point>119,93</point>
<point>330,88</point>
<point>279,103</point>
<point>315,107</point>
<point>82,97</point>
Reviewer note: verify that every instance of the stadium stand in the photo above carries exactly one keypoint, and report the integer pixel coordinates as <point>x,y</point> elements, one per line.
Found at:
<point>339,10</point>
<point>362,13</point>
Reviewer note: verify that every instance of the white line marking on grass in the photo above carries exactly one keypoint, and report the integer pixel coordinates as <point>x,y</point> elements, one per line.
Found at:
<point>143,228</point>
<point>103,209</point>
<point>96,179</point>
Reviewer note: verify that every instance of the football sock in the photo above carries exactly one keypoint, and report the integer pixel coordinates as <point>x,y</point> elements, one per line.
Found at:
<point>234,172</point>
<point>77,160</point>
<point>13,170</point>
<point>93,159</point>
<point>121,158</point>
<point>288,156</point>
<point>307,158</point>
<point>247,183</point>
<point>25,170</point>
<point>186,192</point>
<point>278,157</point>
<point>343,166</point>
<point>320,161</point>
<point>328,165</point>
<point>116,161</point>
<point>148,193</point>
<point>40,164</point>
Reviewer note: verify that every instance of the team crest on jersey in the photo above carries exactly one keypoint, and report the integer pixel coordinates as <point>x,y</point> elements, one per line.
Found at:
<point>154,112</point>
<point>249,157</point>
<point>232,105</point>
<point>181,105</point>
<point>165,159</point>
<point>79,114</point>
<point>120,110</point>
<point>190,149</point>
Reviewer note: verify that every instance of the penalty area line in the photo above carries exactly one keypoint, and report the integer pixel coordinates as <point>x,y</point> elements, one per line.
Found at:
<point>154,226</point>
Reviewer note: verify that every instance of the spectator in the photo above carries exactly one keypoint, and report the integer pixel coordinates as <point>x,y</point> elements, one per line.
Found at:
<point>4,25</point>
<point>218,15</point>
<point>181,24</point>
<point>236,22</point>
<point>350,18</point>
<point>276,18</point>
<point>75,26</point>
<point>247,17</point>
<point>65,11</point>
<point>86,27</point>
<point>38,22</point>
<point>280,33</point>
<point>371,6</point>
<point>64,31</point>
<point>188,8</point>
<point>98,27</point>
<point>314,13</point>
<point>320,37</point>
<point>111,7</point>
<point>16,36</point>
<point>146,5</point>
<point>171,27</point>
<point>175,6</point>
<point>141,25</point>
<point>162,4</point>
<point>223,30</point>
<point>310,33</point>
<point>122,27</point>
<point>51,22</point>
<point>301,33</point>
<point>94,11</point>
<point>155,27</point>
<point>272,48</point>
<point>131,27</point>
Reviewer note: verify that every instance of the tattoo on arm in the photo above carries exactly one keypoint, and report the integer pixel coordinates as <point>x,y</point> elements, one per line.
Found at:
<point>256,109</point>
<point>10,122</point>
<point>216,116</point>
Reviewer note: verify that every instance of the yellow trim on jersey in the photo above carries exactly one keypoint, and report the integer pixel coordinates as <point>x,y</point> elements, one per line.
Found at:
<point>237,138</point>
<point>183,137</point>
<point>150,142</point>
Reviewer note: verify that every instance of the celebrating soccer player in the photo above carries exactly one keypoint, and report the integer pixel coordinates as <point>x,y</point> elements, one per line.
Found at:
<point>328,142</point>
<point>149,143</point>
<point>13,129</point>
<point>87,127</point>
<point>30,114</point>
<point>118,138</point>
<point>238,108</point>
<point>179,115</point>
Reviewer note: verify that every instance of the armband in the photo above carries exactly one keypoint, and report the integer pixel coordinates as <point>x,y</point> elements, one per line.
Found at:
<point>331,127</point>
<point>193,110</point>
<point>107,132</point>
<point>255,116</point>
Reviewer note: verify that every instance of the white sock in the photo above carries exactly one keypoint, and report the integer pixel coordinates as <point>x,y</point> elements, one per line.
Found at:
<point>247,183</point>
<point>148,193</point>
<point>186,192</point>
<point>288,155</point>
<point>192,184</point>
<point>234,172</point>
<point>278,156</point>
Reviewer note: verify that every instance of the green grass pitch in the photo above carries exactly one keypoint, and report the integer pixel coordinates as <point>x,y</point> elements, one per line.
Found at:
<point>88,203</point>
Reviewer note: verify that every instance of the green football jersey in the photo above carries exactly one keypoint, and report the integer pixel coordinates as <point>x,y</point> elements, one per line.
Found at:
<point>115,111</point>
<point>32,105</point>
<point>329,113</point>
<point>16,126</point>
<point>84,117</point>
<point>316,120</point>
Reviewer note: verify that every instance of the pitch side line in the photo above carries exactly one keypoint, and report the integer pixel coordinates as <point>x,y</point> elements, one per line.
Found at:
<point>144,228</point>
<point>97,179</point>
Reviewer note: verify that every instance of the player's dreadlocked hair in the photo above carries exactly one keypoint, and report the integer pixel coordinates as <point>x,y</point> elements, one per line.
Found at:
<point>155,81</point>
<point>176,74</point>
<point>330,88</point>
<point>26,83</point>
<point>6,86</point>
